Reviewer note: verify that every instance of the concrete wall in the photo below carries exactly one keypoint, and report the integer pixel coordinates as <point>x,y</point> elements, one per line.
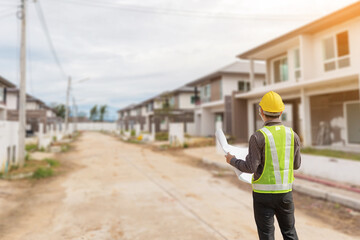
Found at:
<point>11,101</point>
<point>216,90</point>
<point>176,134</point>
<point>240,119</point>
<point>191,129</point>
<point>314,52</point>
<point>207,122</point>
<point>8,144</point>
<point>184,100</point>
<point>97,126</point>
<point>328,110</point>
<point>32,106</point>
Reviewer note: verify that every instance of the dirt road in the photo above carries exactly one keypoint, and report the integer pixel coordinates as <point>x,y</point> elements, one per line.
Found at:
<point>122,191</point>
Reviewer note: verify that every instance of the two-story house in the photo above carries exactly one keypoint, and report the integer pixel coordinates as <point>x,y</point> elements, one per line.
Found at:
<point>177,107</point>
<point>4,86</point>
<point>36,111</point>
<point>316,69</point>
<point>127,117</point>
<point>165,108</point>
<point>214,94</point>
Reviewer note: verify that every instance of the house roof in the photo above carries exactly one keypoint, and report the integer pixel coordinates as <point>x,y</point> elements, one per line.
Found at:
<point>29,98</point>
<point>6,82</point>
<point>320,24</point>
<point>233,68</point>
<point>131,106</point>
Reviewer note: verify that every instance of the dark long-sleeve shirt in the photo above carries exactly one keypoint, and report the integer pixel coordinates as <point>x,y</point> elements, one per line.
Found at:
<point>255,160</point>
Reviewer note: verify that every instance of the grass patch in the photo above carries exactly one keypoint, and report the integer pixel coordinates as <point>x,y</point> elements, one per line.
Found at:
<point>162,136</point>
<point>65,147</point>
<point>52,162</point>
<point>331,153</point>
<point>134,140</point>
<point>43,173</point>
<point>31,147</point>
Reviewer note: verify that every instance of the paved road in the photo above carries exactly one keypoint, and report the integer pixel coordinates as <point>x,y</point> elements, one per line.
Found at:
<point>123,191</point>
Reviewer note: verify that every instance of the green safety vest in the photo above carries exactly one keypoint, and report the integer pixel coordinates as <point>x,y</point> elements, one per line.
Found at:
<point>278,172</point>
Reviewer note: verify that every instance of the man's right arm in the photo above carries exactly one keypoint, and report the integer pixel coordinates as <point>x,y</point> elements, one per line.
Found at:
<point>297,156</point>
<point>253,159</point>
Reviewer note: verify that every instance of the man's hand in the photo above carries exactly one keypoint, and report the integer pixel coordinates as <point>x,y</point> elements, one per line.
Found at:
<point>228,157</point>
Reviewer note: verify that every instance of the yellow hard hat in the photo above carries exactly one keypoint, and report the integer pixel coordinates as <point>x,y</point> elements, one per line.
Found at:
<point>272,102</point>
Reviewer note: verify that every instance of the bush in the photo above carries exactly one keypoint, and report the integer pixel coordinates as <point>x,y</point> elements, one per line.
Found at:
<point>43,173</point>
<point>65,147</point>
<point>162,136</point>
<point>52,162</point>
<point>31,147</point>
<point>54,138</point>
<point>186,145</point>
<point>133,133</point>
<point>27,157</point>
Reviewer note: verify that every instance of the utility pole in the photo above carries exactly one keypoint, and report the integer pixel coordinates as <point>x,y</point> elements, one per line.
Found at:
<point>22,91</point>
<point>67,106</point>
<point>75,114</point>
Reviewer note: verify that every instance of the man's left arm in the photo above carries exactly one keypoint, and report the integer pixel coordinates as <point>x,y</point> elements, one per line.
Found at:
<point>252,160</point>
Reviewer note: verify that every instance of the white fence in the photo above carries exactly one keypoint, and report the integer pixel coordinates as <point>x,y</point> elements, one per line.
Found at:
<point>8,144</point>
<point>96,126</point>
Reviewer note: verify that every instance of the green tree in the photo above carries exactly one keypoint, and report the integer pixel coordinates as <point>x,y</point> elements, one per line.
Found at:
<point>102,112</point>
<point>59,109</point>
<point>94,113</point>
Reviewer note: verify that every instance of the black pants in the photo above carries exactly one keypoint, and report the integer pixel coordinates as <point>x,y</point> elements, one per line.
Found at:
<point>267,205</point>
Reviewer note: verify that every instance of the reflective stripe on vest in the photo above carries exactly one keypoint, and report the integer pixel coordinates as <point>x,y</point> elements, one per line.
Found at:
<point>280,184</point>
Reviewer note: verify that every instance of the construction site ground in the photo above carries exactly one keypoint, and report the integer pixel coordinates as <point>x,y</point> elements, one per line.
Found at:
<point>109,189</point>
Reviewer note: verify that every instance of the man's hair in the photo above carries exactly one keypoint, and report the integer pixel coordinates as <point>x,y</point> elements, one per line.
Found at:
<point>271,115</point>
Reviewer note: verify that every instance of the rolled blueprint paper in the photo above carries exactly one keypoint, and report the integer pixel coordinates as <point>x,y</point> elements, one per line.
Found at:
<point>238,152</point>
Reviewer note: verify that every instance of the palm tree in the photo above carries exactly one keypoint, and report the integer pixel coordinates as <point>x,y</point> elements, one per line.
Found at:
<point>103,110</point>
<point>94,113</point>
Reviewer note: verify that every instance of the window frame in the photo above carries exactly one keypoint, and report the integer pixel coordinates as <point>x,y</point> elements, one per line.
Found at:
<point>336,58</point>
<point>297,69</point>
<point>284,56</point>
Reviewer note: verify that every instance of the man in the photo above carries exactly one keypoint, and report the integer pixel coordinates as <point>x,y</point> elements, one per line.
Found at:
<point>274,152</point>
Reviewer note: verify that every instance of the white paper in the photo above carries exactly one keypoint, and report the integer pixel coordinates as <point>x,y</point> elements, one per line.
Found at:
<point>238,152</point>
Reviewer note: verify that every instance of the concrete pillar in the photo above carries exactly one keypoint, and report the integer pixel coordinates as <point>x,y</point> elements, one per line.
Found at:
<point>153,131</point>
<point>219,149</point>
<point>40,134</point>
<point>306,121</point>
<point>252,74</point>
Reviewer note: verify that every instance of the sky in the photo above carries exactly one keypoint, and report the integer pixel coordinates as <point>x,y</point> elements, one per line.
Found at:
<point>132,50</point>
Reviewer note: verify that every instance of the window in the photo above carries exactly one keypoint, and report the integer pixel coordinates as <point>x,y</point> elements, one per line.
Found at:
<point>243,86</point>
<point>297,65</point>
<point>336,51</point>
<point>193,99</point>
<point>206,93</point>
<point>2,94</point>
<point>280,67</point>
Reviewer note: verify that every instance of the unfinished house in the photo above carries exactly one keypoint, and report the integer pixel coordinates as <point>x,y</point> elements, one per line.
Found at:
<point>214,91</point>
<point>36,111</point>
<point>315,68</point>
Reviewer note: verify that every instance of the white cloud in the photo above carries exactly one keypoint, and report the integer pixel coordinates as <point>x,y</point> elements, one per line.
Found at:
<point>131,56</point>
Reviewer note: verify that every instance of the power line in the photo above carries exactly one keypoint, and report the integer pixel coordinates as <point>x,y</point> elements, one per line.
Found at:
<point>184,12</point>
<point>41,16</point>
